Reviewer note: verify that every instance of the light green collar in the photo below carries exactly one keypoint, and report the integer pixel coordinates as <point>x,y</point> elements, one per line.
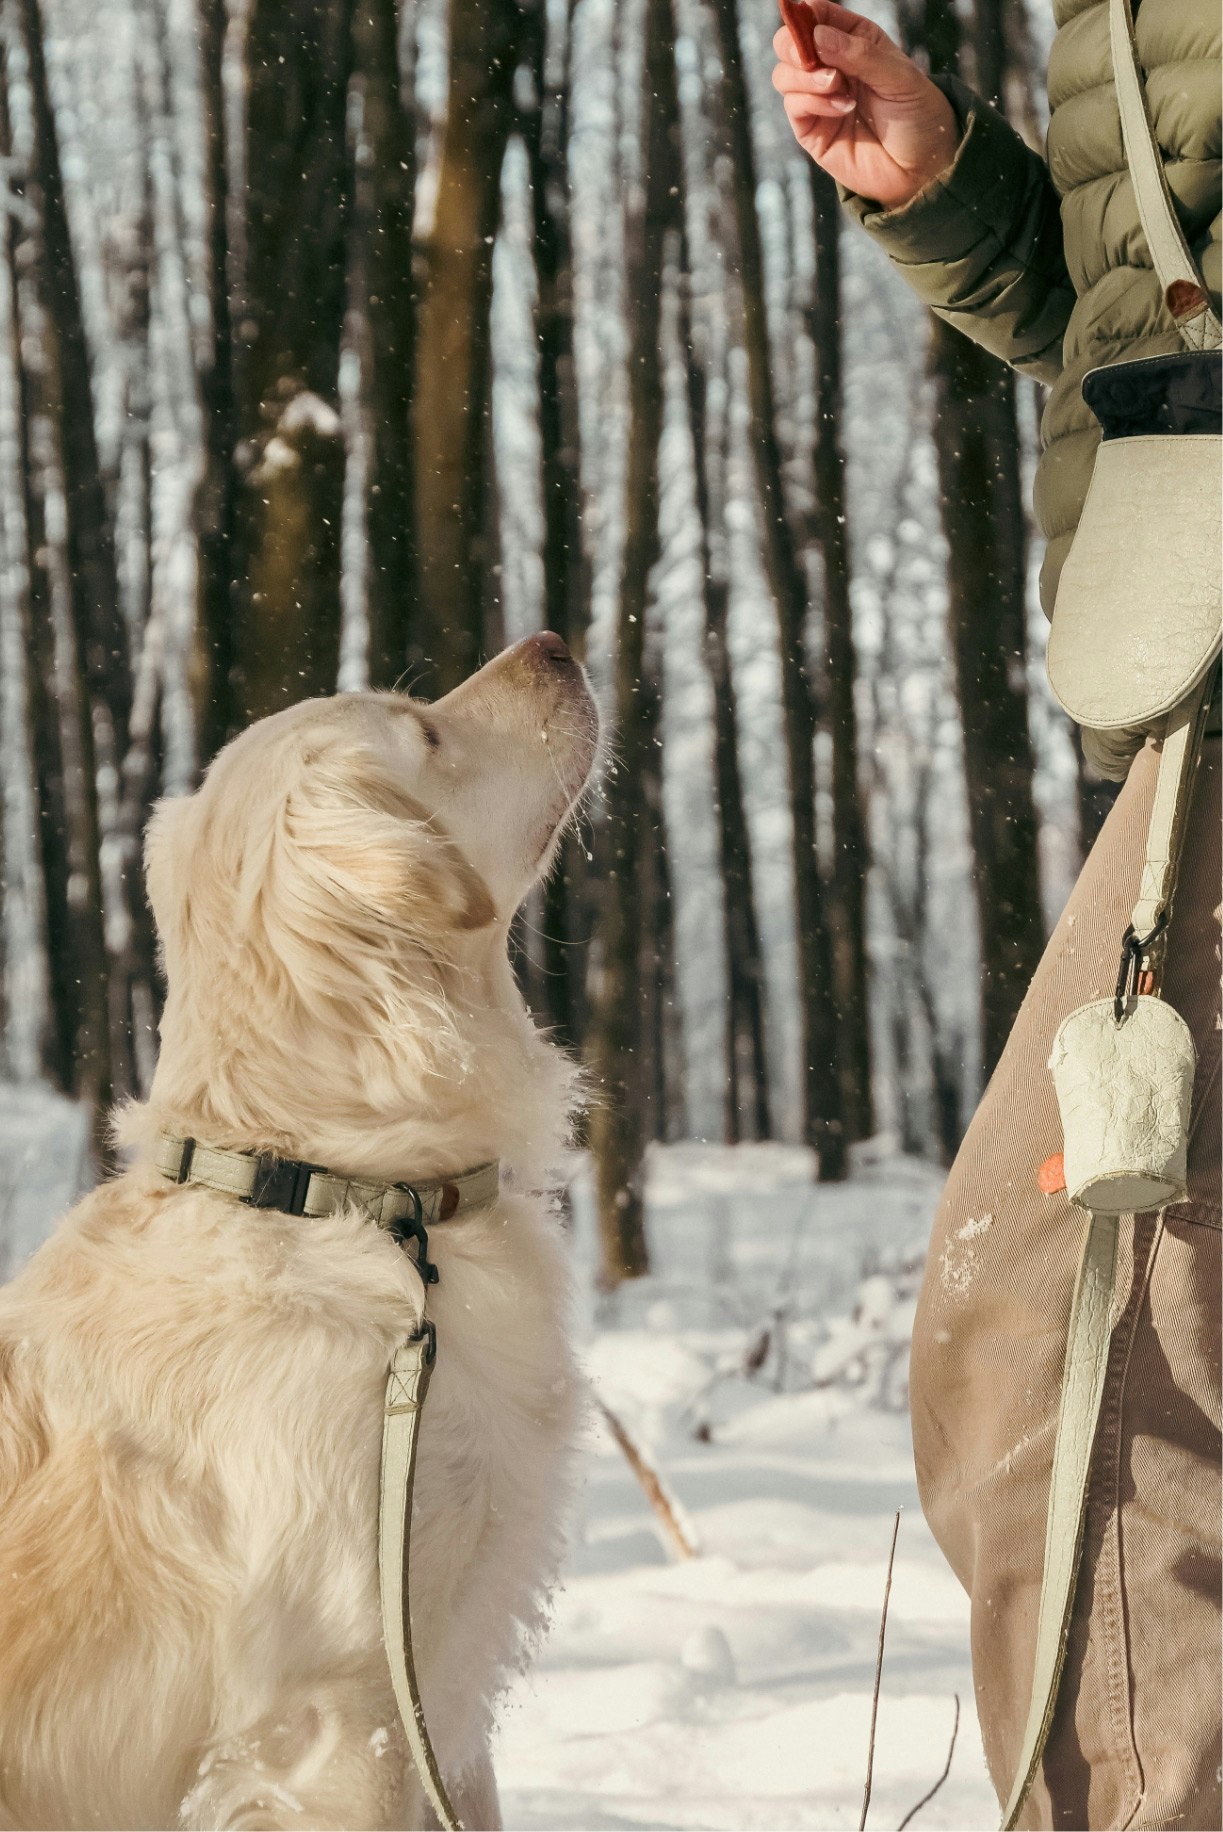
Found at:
<point>264,1181</point>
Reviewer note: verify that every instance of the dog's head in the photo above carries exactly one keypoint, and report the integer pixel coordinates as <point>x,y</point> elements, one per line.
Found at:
<point>345,876</point>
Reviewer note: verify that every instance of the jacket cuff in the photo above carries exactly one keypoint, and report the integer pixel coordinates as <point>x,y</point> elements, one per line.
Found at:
<point>984,184</point>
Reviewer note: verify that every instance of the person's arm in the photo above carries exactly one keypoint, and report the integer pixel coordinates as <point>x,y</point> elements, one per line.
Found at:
<point>939,180</point>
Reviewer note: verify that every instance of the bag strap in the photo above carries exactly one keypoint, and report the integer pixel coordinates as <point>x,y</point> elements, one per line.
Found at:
<point>406,1387</point>
<point>1182,749</point>
<point>1184,290</point>
<point>1082,1393</point>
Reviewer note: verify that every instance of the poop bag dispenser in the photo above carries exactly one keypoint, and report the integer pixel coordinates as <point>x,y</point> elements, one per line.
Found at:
<point>1124,1089</point>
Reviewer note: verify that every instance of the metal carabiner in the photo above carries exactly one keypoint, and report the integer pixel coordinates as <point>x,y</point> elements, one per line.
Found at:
<point>1129,974</point>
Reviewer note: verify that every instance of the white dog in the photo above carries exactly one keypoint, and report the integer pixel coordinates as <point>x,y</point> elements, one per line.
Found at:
<point>191,1388</point>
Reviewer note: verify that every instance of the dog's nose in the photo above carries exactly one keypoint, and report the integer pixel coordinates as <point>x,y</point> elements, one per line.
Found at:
<point>548,644</point>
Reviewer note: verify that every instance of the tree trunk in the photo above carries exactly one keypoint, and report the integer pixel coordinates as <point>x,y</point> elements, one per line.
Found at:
<point>90,542</point>
<point>554,972</point>
<point>983,517</point>
<point>453,394</point>
<point>82,668</point>
<point>77,1045</point>
<point>851,855</point>
<point>221,588</point>
<point>383,289</point>
<point>29,1041</point>
<point>981,490</point>
<point>746,1108</point>
<point>661,1046</point>
<point>1003,59</point>
<point>618,1037</point>
<point>287,299</point>
<point>823,1127</point>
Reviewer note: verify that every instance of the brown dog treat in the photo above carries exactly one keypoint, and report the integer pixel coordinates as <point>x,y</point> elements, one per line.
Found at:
<point>800,23</point>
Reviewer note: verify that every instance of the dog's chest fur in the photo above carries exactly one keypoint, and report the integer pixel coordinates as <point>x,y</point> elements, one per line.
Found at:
<point>209,1382</point>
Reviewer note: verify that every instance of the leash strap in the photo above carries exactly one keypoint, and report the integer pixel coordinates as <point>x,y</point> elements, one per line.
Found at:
<point>1090,1316</point>
<point>406,1387</point>
<point>1082,1392</point>
<point>1178,272</point>
<point>297,1188</point>
<point>1182,748</point>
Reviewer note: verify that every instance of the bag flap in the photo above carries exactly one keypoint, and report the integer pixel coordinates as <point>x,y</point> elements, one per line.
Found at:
<point>1140,600</point>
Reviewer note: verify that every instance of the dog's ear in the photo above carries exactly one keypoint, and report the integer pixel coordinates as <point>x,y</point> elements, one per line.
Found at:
<point>381,855</point>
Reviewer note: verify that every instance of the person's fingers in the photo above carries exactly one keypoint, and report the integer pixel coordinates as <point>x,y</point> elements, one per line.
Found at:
<point>827,12</point>
<point>865,55</point>
<point>803,108</point>
<point>787,80</point>
<point>784,47</point>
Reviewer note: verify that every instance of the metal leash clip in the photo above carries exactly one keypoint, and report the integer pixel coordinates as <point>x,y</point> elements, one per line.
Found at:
<point>1134,949</point>
<point>412,1227</point>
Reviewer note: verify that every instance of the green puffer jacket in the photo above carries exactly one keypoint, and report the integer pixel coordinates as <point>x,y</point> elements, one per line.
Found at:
<point>1046,264</point>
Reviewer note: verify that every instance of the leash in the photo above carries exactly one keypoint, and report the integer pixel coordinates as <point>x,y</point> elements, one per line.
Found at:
<point>406,1387</point>
<point>406,1211</point>
<point>1090,1332</point>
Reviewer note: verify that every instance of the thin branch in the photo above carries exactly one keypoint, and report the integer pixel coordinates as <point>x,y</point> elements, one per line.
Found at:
<point>883,1628</point>
<point>929,1796</point>
<point>679,1535</point>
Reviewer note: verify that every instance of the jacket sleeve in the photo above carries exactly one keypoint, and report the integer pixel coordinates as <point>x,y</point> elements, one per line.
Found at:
<point>982,243</point>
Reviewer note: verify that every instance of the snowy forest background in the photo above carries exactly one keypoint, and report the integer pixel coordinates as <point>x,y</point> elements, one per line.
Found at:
<point>343,341</point>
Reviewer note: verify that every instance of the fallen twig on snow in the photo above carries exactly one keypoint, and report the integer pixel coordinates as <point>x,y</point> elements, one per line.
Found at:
<point>883,1629</point>
<point>929,1796</point>
<point>679,1533</point>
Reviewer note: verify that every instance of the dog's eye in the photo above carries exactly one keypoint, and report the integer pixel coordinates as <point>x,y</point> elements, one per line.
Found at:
<point>431,735</point>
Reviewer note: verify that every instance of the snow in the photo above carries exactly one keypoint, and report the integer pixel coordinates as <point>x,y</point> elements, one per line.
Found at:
<point>760,1369</point>
<point>43,1156</point>
<point>734,1689</point>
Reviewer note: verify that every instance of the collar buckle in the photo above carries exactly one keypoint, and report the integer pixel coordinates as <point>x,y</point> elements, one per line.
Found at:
<point>281,1183</point>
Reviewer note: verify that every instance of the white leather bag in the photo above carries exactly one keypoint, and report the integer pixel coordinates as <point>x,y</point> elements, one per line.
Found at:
<point>1139,609</point>
<point>1139,605</point>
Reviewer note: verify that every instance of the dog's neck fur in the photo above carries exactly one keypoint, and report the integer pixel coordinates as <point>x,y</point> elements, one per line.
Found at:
<point>415,1078</point>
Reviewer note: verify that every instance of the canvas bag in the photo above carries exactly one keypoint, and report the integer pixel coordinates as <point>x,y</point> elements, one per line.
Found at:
<point>1139,608</point>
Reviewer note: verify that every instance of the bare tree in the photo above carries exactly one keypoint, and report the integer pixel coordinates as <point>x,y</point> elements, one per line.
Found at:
<point>219,608</point>
<point>850,854</point>
<point>82,667</point>
<point>824,1126</point>
<point>554,977</point>
<point>619,1123</point>
<point>382,303</point>
<point>981,489</point>
<point>452,471</point>
<point>746,1106</point>
<point>287,207</point>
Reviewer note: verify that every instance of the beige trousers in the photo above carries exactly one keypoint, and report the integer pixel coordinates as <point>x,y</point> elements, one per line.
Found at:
<point>1136,1735</point>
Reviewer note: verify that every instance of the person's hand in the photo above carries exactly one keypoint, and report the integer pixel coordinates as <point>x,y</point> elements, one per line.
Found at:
<point>865,113</point>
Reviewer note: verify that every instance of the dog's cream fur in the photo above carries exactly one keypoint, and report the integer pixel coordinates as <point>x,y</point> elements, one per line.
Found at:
<point>191,1389</point>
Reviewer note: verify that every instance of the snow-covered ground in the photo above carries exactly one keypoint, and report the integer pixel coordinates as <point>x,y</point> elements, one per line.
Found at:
<point>761,1370</point>
<point>733,1689</point>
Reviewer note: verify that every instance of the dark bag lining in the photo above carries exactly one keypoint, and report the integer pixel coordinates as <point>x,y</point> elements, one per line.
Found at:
<point>1182,393</point>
